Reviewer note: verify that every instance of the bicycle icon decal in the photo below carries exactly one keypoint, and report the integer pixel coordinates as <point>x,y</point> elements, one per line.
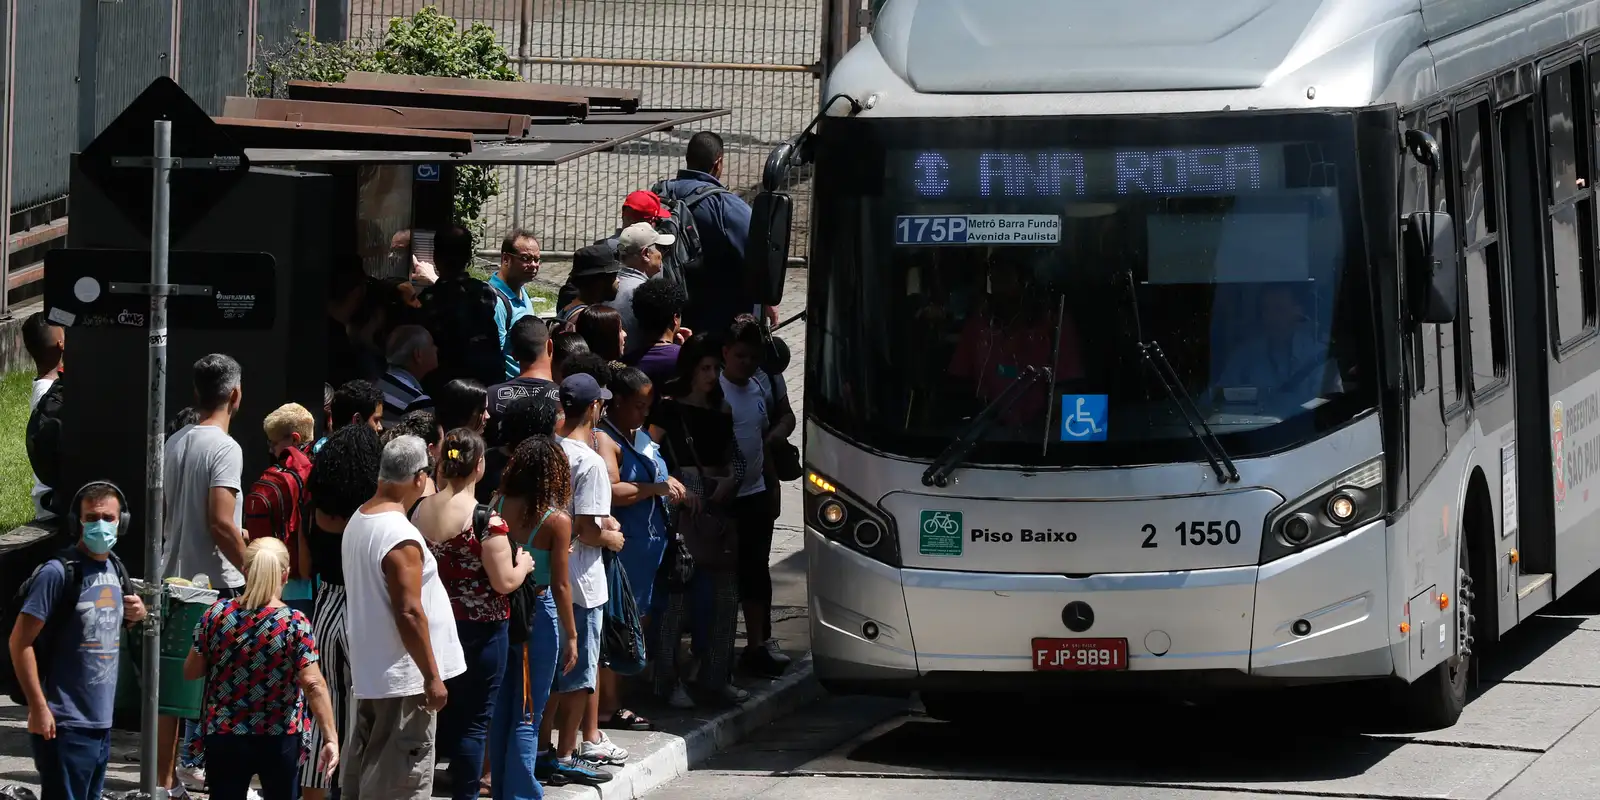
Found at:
<point>942,533</point>
<point>1083,417</point>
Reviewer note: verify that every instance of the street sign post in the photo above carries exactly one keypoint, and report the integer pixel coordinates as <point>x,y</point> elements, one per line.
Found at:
<point>135,171</point>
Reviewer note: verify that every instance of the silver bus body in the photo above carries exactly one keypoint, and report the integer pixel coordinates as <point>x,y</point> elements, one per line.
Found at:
<point>1376,601</point>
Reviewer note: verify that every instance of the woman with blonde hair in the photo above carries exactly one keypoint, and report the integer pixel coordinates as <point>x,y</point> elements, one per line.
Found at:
<point>259,661</point>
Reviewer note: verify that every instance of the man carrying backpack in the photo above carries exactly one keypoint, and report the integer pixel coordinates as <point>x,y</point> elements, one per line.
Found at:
<point>711,237</point>
<point>65,647</point>
<point>462,313</point>
<point>276,504</point>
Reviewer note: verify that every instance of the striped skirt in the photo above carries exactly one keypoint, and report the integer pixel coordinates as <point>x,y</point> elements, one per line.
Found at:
<point>328,626</point>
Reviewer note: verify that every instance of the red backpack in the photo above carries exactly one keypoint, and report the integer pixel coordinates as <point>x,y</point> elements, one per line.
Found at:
<point>278,503</point>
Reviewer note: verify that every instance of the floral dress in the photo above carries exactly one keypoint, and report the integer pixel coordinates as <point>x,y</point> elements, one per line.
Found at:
<point>465,580</point>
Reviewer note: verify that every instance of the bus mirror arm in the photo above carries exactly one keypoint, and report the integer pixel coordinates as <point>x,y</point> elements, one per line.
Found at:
<point>938,473</point>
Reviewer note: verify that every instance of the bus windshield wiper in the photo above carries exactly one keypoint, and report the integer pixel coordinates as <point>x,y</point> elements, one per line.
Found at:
<point>938,473</point>
<point>1156,359</point>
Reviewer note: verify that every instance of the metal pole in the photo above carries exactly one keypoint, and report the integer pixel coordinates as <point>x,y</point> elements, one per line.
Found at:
<point>155,442</point>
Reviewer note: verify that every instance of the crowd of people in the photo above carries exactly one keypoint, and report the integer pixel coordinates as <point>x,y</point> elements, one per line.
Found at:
<point>487,547</point>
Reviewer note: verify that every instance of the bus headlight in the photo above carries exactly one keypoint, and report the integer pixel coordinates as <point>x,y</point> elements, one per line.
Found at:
<point>849,520</point>
<point>1331,510</point>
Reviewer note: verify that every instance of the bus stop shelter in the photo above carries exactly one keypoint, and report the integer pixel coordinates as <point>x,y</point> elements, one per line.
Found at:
<point>269,195</point>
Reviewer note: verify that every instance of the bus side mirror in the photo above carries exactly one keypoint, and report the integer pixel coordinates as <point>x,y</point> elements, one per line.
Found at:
<point>766,251</point>
<point>1433,266</point>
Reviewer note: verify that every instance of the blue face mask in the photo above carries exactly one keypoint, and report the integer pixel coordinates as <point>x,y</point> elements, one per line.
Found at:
<point>99,536</point>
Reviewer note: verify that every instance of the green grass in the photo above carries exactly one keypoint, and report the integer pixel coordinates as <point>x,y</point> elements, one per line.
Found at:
<point>16,477</point>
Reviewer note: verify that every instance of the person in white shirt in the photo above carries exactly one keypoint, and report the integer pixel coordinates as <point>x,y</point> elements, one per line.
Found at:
<point>46,343</point>
<point>761,416</point>
<point>574,698</point>
<point>402,635</point>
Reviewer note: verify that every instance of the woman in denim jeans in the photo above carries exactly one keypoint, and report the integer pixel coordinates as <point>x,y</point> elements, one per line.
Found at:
<point>534,489</point>
<point>479,568</point>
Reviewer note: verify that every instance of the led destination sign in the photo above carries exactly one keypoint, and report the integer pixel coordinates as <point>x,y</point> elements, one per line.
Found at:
<point>935,174</point>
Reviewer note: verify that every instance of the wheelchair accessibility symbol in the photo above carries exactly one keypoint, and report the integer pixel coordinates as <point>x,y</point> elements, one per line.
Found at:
<point>427,173</point>
<point>1083,417</point>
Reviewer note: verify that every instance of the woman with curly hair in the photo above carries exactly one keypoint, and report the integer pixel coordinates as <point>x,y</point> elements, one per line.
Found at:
<point>534,491</point>
<point>344,476</point>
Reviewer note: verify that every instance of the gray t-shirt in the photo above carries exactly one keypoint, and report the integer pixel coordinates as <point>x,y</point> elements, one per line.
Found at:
<point>199,458</point>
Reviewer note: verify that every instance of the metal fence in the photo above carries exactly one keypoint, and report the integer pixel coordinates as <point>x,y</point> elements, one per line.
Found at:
<point>208,45</point>
<point>758,58</point>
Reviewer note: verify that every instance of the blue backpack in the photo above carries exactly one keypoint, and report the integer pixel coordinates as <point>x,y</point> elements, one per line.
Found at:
<point>622,631</point>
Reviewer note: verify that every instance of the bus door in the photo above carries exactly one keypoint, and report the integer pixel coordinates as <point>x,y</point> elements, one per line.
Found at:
<point>1530,573</point>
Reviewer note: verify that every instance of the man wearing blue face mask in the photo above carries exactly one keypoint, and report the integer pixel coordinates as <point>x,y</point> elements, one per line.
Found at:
<point>65,648</point>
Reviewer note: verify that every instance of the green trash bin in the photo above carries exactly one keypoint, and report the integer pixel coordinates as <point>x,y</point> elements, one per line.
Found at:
<point>178,697</point>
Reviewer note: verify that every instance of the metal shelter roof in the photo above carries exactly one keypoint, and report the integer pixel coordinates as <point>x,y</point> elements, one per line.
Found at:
<point>397,119</point>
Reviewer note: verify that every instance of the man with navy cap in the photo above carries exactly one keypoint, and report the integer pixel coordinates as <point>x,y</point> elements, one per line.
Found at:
<point>595,271</point>
<point>581,399</point>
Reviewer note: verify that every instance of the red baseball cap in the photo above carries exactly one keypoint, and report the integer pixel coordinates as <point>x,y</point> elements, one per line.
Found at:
<point>644,202</point>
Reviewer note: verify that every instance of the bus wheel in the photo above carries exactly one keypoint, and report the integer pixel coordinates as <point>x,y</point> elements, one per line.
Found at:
<point>955,707</point>
<point>1436,700</point>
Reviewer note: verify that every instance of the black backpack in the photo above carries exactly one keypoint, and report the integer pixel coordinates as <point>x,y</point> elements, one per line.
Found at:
<point>687,255</point>
<point>460,316</point>
<point>60,611</point>
<point>44,442</point>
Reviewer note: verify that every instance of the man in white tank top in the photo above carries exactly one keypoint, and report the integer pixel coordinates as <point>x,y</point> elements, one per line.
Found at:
<point>403,643</point>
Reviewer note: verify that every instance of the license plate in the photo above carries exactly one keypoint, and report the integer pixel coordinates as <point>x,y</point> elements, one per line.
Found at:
<point>1080,655</point>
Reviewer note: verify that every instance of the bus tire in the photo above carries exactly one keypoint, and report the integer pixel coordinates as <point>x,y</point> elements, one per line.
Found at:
<point>1436,699</point>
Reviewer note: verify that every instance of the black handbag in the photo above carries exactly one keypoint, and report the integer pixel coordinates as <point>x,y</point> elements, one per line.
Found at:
<point>785,457</point>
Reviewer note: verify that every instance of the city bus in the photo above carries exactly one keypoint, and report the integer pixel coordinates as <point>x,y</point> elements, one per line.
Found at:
<point>1171,345</point>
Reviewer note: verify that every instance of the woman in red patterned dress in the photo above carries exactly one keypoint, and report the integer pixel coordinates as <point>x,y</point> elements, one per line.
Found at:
<point>260,664</point>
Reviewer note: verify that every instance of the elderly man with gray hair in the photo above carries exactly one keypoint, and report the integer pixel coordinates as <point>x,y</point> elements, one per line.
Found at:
<point>402,634</point>
<point>412,357</point>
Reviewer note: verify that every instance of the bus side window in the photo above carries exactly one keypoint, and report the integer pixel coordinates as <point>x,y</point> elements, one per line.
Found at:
<point>1481,257</point>
<point>1571,216</point>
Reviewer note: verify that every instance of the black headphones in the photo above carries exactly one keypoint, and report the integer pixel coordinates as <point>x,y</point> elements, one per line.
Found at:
<point>75,511</point>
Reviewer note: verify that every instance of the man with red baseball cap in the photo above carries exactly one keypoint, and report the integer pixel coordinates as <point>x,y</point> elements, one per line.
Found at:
<point>640,206</point>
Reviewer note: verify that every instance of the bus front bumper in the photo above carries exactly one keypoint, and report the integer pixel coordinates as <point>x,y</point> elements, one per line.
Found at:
<point>1319,615</point>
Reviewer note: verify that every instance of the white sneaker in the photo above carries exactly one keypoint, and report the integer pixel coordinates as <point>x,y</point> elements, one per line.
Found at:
<point>192,778</point>
<point>603,751</point>
<point>680,698</point>
<point>252,794</point>
<point>733,694</point>
<point>777,655</point>
<point>177,792</point>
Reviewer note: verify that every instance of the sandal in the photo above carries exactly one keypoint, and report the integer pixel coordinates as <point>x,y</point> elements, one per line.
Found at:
<point>625,720</point>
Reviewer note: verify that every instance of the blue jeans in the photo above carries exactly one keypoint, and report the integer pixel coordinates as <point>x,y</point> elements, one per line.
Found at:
<point>514,733</point>
<point>72,766</point>
<point>464,721</point>
<point>236,758</point>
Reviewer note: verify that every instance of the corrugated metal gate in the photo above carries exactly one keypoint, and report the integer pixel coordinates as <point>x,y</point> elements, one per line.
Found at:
<point>759,58</point>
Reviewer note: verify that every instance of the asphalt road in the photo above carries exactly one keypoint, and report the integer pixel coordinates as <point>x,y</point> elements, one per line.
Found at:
<point>1530,732</point>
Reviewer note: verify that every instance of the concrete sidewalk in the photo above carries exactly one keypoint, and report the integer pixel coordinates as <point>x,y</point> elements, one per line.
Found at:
<point>682,739</point>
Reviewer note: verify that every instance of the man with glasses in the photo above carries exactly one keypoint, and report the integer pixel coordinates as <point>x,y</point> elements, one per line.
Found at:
<point>519,264</point>
<point>639,248</point>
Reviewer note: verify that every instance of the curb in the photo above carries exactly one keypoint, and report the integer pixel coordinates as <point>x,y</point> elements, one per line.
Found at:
<point>664,757</point>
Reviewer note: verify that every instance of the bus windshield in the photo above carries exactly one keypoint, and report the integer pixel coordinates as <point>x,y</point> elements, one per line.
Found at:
<point>950,256</point>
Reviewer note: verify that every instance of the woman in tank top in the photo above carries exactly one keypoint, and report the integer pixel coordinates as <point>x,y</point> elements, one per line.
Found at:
<point>479,568</point>
<point>344,474</point>
<point>534,492</point>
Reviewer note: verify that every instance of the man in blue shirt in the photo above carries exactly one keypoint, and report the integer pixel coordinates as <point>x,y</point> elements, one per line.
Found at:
<point>716,290</point>
<point>519,263</point>
<point>66,649</point>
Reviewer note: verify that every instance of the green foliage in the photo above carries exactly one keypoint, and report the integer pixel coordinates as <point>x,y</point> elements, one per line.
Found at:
<point>426,43</point>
